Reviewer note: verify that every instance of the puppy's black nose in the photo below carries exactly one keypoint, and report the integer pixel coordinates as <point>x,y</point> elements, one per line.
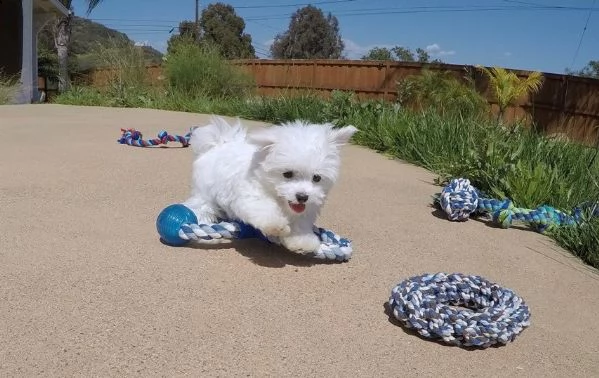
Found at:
<point>301,197</point>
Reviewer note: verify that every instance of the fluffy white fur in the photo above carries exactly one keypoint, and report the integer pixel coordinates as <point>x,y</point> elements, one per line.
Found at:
<point>244,174</point>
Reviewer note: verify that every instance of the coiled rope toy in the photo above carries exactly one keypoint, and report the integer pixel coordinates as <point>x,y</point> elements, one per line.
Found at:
<point>134,138</point>
<point>177,225</point>
<point>492,314</point>
<point>459,200</point>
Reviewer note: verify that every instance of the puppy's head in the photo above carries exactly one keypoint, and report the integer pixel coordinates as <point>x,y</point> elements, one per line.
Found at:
<point>299,162</point>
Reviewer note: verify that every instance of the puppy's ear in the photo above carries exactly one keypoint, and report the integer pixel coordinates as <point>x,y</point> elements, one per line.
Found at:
<point>342,135</point>
<point>262,138</point>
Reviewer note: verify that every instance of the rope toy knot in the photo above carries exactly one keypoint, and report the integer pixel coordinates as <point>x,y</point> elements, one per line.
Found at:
<point>163,136</point>
<point>427,304</point>
<point>459,199</point>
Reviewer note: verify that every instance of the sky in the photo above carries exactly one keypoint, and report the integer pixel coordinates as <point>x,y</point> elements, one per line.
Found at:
<point>544,35</point>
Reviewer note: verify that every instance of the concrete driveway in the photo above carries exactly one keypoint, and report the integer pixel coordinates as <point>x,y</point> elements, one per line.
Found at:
<point>87,289</point>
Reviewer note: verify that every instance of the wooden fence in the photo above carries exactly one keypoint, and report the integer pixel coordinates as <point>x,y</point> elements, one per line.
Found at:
<point>566,105</point>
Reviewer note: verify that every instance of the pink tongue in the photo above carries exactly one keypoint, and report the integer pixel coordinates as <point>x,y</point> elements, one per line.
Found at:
<point>297,207</point>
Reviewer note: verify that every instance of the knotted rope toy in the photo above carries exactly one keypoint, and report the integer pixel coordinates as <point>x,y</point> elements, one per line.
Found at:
<point>177,225</point>
<point>460,200</point>
<point>492,314</point>
<point>134,138</point>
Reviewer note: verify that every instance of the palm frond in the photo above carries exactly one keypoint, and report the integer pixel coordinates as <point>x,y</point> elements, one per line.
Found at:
<point>91,5</point>
<point>507,87</point>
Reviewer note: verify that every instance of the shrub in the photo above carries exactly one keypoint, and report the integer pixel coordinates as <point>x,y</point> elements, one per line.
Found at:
<point>124,65</point>
<point>442,92</point>
<point>9,86</point>
<point>200,70</point>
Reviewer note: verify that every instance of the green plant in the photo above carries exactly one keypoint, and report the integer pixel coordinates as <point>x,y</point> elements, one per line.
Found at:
<point>124,64</point>
<point>200,70</point>
<point>441,91</point>
<point>582,240</point>
<point>85,96</point>
<point>9,86</point>
<point>508,88</point>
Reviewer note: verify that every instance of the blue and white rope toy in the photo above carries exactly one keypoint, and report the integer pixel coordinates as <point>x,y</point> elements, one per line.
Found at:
<point>492,314</point>
<point>459,200</point>
<point>177,225</point>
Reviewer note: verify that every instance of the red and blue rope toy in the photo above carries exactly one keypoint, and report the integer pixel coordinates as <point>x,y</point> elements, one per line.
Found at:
<point>134,138</point>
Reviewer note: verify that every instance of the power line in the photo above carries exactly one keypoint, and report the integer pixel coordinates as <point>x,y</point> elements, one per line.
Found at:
<point>264,53</point>
<point>138,32</point>
<point>263,25</point>
<point>127,31</point>
<point>294,5</point>
<point>261,49</point>
<point>139,26</point>
<point>133,20</point>
<point>533,4</point>
<point>583,32</point>
<point>436,9</point>
<point>395,10</point>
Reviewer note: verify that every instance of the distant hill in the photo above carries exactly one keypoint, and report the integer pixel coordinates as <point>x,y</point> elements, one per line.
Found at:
<point>86,37</point>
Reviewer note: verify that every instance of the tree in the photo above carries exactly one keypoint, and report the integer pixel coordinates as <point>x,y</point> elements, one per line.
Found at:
<point>62,38</point>
<point>508,88</point>
<point>378,53</point>
<point>400,54</point>
<point>221,26</point>
<point>403,54</point>
<point>310,35</point>
<point>187,31</point>
<point>422,56</point>
<point>590,70</point>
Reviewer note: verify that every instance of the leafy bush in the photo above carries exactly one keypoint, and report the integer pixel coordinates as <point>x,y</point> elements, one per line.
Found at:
<point>200,70</point>
<point>9,86</point>
<point>442,92</point>
<point>124,65</point>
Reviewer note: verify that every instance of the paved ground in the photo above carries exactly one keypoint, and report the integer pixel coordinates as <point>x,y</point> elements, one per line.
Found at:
<point>87,289</point>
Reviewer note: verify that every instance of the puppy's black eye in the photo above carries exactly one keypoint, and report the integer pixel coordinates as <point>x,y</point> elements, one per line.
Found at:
<point>316,178</point>
<point>288,174</point>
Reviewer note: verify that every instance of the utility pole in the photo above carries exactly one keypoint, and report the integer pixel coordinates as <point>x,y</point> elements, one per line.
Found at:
<point>198,21</point>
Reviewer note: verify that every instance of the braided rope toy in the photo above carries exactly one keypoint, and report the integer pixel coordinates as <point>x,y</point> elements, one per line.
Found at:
<point>134,138</point>
<point>459,200</point>
<point>177,225</point>
<point>493,314</point>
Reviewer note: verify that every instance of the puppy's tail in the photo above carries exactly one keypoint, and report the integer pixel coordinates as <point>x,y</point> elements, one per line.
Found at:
<point>215,133</point>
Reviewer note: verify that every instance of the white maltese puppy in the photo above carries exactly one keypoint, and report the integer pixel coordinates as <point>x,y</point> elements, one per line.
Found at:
<point>275,179</point>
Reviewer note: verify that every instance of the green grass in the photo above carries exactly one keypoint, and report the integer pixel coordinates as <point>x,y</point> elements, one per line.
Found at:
<point>9,86</point>
<point>515,163</point>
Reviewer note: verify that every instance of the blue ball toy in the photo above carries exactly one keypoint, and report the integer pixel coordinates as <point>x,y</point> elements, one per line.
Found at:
<point>169,223</point>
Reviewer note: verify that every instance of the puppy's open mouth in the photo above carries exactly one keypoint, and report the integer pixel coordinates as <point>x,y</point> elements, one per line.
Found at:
<point>297,207</point>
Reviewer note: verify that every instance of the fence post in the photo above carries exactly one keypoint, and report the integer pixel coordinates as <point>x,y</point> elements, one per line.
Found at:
<point>386,91</point>
<point>564,91</point>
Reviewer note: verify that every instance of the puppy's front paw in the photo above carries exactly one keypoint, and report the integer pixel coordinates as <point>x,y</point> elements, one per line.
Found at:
<point>276,229</point>
<point>305,243</point>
